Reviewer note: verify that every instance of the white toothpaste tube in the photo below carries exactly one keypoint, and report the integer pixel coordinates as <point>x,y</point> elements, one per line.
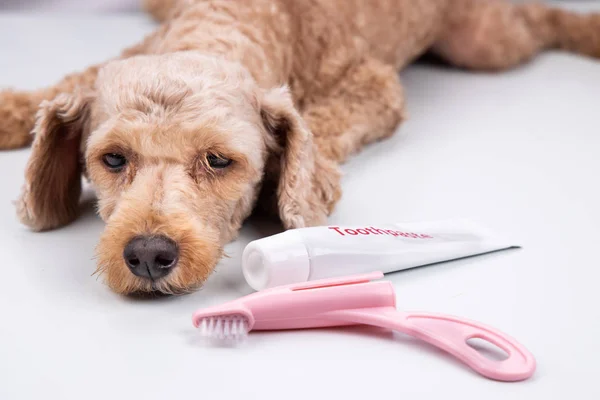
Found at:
<point>307,254</point>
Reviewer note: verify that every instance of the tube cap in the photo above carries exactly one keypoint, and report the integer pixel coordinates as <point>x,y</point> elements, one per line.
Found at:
<point>276,260</point>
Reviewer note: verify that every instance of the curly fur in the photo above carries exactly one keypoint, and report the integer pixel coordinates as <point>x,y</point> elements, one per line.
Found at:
<point>287,89</point>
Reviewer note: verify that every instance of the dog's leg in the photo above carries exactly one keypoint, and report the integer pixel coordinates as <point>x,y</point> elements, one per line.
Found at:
<point>366,105</point>
<point>18,108</point>
<point>496,35</point>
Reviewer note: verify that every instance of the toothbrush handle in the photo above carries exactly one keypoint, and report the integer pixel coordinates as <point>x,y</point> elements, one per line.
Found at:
<point>450,334</point>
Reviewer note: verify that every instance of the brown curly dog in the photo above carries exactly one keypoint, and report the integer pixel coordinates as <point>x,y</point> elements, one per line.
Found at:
<point>231,104</point>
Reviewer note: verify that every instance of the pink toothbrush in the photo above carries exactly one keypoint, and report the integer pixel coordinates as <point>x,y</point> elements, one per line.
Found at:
<point>355,300</point>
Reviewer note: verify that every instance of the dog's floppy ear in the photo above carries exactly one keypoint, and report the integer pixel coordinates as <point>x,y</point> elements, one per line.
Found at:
<point>307,183</point>
<point>50,195</point>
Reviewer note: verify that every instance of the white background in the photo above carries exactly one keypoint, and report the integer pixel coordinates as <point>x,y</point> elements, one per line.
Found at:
<point>516,152</point>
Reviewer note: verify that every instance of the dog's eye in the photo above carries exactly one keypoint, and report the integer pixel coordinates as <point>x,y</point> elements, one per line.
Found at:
<point>114,161</point>
<point>218,162</point>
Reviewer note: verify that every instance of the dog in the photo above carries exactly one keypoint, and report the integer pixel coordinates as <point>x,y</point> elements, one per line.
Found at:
<point>232,106</point>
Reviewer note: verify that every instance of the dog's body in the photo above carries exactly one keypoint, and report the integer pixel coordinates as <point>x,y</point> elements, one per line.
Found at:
<point>187,132</point>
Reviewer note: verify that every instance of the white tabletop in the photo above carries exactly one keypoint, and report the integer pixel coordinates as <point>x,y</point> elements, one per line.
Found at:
<point>516,152</point>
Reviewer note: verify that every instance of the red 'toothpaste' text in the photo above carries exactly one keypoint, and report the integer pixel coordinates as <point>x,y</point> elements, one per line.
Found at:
<point>376,231</point>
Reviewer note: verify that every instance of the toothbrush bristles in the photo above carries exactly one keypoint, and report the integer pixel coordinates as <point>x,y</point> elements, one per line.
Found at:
<point>229,328</point>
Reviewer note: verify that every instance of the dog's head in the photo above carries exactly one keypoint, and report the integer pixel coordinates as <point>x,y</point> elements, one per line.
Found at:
<point>178,148</point>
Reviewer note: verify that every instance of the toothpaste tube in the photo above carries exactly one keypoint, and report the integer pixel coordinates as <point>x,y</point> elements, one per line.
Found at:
<point>307,254</point>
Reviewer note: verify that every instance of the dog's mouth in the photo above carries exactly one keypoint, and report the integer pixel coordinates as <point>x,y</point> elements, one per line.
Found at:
<point>149,295</point>
<point>151,288</point>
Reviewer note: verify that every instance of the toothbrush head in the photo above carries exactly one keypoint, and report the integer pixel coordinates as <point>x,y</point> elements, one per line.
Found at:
<point>226,328</point>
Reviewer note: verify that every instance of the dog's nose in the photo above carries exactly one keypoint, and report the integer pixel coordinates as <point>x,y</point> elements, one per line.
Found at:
<point>151,257</point>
